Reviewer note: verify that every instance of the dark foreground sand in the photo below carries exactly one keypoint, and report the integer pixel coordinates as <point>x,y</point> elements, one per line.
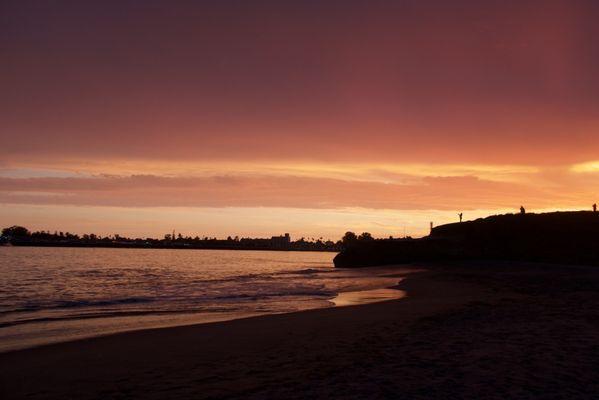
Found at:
<point>470,331</point>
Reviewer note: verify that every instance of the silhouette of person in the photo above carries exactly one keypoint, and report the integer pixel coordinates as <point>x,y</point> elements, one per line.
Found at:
<point>522,210</point>
<point>595,207</point>
<point>461,215</point>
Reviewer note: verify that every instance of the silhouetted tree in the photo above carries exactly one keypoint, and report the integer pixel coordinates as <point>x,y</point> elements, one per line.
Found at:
<point>365,236</point>
<point>15,232</point>
<point>349,238</point>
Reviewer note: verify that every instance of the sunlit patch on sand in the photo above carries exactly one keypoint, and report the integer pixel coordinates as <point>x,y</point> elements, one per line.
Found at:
<point>367,297</point>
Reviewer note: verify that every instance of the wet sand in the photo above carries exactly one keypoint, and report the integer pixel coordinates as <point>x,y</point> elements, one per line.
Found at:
<point>463,331</point>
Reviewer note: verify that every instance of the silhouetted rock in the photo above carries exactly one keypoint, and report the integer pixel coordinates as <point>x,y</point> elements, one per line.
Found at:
<point>561,237</point>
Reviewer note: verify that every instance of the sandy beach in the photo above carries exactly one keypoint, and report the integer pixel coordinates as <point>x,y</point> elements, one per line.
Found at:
<point>476,330</point>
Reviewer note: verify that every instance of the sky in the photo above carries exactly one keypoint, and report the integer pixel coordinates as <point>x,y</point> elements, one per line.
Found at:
<point>255,118</point>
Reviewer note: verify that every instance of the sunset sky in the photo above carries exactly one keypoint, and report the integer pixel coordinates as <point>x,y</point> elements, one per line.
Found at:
<point>255,118</point>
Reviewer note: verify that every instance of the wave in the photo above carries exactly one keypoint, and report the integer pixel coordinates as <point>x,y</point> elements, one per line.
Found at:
<point>112,314</point>
<point>100,303</point>
<point>308,271</point>
<point>189,300</point>
<point>267,276</point>
<point>261,296</point>
<point>208,305</point>
<point>68,304</point>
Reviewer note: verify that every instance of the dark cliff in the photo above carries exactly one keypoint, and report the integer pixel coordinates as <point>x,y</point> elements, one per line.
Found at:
<point>560,237</point>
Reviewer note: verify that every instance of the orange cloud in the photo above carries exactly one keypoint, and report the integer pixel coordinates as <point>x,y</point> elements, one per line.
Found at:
<point>438,193</point>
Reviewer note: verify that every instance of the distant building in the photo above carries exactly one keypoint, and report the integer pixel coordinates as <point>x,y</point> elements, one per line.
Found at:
<point>281,242</point>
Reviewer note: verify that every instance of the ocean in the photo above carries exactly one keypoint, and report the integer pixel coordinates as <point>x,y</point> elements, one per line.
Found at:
<point>50,295</point>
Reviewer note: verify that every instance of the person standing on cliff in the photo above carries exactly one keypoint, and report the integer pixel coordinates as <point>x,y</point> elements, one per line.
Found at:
<point>461,215</point>
<point>522,210</point>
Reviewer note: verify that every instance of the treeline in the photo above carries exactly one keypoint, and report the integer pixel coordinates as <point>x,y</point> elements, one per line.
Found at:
<point>21,236</point>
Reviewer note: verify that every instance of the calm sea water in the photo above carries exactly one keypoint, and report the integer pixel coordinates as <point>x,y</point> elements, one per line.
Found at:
<point>56,294</point>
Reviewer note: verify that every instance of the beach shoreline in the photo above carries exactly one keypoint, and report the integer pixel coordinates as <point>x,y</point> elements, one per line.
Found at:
<point>460,332</point>
<point>341,299</point>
